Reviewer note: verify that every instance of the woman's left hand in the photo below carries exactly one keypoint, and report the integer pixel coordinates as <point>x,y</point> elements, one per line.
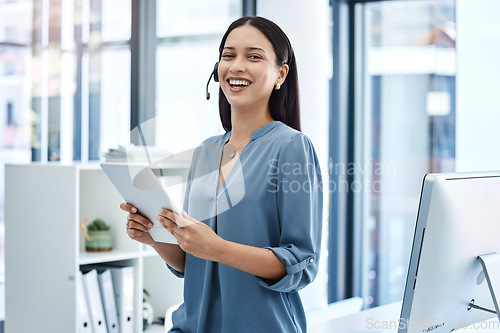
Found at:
<point>193,236</point>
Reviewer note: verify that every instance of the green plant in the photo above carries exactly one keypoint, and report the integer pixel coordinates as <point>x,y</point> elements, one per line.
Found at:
<point>98,224</point>
<point>147,310</point>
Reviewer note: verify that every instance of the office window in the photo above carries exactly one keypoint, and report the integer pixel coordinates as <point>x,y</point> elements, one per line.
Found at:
<point>405,128</point>
<point>196,17</point>
<point>62,63</point>
<point>81,61</point>
<point>103,50</point>
<point>65,77</point>
<point>16,117</point>
<point>188,37</point>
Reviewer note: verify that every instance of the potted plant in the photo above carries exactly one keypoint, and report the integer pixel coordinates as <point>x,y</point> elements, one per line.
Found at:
<point>147,310</point>
<point>99,237</point>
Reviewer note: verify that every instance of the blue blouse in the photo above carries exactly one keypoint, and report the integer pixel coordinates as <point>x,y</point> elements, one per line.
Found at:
<point>272,198</point>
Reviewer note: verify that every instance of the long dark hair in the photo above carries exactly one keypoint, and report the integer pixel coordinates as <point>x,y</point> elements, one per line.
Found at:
<point>283,103</point>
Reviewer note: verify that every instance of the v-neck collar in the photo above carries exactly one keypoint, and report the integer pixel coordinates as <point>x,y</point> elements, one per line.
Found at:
<point>255,134</point>
<point>264,129</point>
<point>225,138</point>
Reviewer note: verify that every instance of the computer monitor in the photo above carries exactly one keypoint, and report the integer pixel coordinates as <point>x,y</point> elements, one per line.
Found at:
<point>458,220</point>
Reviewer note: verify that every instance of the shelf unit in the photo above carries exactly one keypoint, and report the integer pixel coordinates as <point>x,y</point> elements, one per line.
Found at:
<point>44,248</point>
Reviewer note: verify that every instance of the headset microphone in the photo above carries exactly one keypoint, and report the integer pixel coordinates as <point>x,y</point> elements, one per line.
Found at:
<point>215,74</point>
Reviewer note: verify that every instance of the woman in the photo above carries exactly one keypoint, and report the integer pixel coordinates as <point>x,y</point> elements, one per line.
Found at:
<point>251,240</point>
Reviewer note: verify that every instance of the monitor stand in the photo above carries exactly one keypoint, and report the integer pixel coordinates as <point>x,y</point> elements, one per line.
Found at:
<point>491,268</point>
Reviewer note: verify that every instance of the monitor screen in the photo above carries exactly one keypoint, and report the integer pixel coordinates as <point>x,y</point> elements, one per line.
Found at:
<point>458,220</point>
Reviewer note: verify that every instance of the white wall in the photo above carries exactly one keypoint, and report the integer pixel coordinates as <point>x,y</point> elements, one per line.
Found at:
<point>477,82</point>
<point>306,24</point>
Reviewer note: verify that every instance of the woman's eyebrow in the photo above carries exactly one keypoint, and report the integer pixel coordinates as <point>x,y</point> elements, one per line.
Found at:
<point>256,49</point>
<point>250,48</point>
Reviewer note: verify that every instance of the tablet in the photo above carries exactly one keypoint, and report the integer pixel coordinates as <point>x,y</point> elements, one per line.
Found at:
<point>138,186</point>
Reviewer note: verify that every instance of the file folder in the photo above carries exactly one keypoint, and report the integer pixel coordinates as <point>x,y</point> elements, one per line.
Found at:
<point>94,301</point>
<point>108,300</point>
<point>123,282</point>
<point>83,316</point>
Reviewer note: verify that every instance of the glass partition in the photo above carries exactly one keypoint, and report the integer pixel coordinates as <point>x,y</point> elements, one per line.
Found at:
<point>405,129</point>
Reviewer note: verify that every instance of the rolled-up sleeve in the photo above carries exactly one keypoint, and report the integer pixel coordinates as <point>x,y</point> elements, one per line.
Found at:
<point>300,209</point>
<point>175,272</point>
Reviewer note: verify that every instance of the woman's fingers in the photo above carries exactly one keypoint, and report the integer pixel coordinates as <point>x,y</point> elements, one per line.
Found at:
<point>167,213</point>
<point>167,222</point>
<point>188,219</point>
<point>180,220</point>
<point>128,207</point>
<point>137,226</point>
<point>135,220</point>
<point>133,232</point>
<point>144,225</point>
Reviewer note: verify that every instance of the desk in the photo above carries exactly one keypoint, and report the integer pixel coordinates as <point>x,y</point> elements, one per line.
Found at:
<point>384,319</point>
<point>378,319</point>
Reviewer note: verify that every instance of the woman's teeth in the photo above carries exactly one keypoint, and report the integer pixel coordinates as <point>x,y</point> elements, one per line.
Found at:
<point>238,83</point>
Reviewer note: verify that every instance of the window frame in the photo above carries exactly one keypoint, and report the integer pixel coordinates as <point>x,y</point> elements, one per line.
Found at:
<point>345,229</point>
<point>143,43</point>
<point>344,258</point>
<point>341,247</point>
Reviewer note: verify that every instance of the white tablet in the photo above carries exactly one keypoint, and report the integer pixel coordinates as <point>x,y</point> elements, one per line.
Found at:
<point>139,187</point>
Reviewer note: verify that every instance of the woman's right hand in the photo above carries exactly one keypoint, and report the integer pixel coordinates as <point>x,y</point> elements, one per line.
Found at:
<point>137,225</point>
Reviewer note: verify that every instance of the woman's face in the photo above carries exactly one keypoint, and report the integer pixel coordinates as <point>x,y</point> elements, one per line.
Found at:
<point>248,70</point>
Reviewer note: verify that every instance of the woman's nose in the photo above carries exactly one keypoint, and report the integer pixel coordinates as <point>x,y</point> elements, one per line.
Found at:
<point>237,65</point>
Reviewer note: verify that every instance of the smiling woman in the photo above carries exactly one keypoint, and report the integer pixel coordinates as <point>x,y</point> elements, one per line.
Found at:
<point>249,70</point>
<point>246,245</point>
<point>253,45</point>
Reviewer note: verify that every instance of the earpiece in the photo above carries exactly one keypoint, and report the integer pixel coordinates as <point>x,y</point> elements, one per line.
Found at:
<point>215,74</point>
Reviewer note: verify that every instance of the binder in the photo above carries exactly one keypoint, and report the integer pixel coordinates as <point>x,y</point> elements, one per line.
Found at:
<point>83,316</point>
<point>94,301</point>
<point>108,300</point>
<point>123,282</point>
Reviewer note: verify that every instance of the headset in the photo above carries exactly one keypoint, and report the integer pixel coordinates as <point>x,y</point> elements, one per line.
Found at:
<point>215,74</point>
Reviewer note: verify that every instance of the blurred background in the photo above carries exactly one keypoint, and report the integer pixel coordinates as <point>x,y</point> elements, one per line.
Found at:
<point>390,91</point>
